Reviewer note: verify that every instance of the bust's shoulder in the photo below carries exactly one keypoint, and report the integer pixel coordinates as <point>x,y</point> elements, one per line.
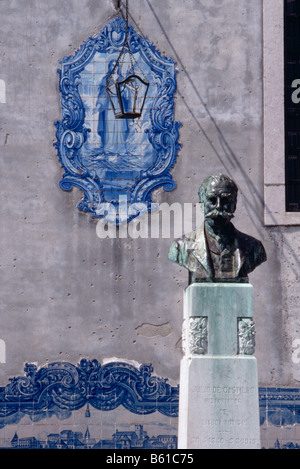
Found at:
<point>248,243</point>
<point>245,238</point>
<point>192,236</point>
<point>180,247</point>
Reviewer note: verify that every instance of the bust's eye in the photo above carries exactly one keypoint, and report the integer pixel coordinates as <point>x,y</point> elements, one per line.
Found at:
<point>225,200</point>
<point>212,200</point>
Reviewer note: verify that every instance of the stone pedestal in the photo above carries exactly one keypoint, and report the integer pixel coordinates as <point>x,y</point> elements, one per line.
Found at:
<point>218,405</point>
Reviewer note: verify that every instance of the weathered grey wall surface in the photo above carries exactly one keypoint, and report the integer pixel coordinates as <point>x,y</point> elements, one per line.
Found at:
<point>67,294</point>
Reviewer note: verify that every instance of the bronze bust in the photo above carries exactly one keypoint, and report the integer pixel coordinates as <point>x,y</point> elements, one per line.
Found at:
<point>217,251</point>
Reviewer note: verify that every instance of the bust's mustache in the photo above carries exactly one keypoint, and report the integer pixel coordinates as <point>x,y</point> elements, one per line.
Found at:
<point>215,213</point>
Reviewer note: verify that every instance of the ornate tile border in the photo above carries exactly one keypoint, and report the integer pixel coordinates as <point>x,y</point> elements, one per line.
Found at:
<point>108,158</point>
<point>62,386</point>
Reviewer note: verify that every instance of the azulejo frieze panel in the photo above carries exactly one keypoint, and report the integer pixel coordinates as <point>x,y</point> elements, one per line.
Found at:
<point>109,158</point>
<point>63,391</point>
<point>64,387</point>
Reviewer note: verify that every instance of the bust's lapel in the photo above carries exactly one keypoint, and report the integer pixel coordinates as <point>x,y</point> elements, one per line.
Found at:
<point>239,254</point>
<point>200,251</point>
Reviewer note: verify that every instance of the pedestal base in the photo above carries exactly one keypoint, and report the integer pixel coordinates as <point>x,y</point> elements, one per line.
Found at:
<point>218,406</point>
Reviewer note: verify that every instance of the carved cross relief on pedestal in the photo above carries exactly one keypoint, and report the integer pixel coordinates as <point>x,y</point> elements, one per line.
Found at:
<point>198,336</point>
<point>219,326</point>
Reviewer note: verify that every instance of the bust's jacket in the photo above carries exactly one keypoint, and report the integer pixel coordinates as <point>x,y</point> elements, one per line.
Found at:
<point>191,251</point>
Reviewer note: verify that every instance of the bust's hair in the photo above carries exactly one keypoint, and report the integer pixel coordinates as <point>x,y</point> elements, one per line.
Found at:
<point>216,179</point>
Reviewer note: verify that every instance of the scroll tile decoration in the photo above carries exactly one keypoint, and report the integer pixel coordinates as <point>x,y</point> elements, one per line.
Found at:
<point>61,385</point>
<point>113,159</point>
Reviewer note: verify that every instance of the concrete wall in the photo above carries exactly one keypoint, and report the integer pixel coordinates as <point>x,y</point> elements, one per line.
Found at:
<point>65,293</point>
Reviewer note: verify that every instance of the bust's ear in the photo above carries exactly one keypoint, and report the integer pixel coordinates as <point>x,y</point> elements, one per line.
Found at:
<point>234,203</point>
<point>173,252</point>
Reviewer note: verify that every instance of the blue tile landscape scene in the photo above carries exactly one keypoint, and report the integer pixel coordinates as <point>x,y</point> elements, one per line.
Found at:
<point>68,439</point>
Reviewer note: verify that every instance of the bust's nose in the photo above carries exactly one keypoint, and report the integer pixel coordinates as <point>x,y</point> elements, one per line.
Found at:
<point>218,203</point>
